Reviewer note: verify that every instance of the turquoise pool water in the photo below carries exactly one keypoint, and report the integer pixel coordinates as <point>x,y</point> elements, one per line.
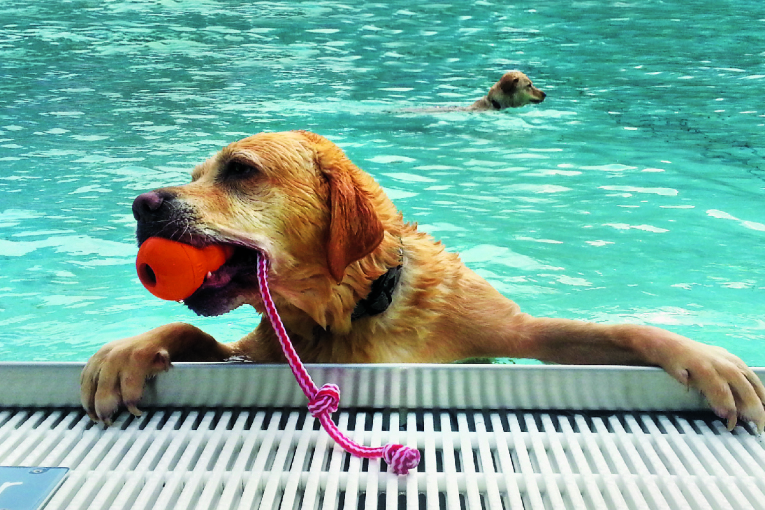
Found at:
<point>633,193</point>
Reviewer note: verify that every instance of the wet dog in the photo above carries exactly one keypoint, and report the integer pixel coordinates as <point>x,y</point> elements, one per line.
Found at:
<point>354,283</point>
<point>513,90</point>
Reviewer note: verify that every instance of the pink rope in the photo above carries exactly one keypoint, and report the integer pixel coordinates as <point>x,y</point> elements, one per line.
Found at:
<point>325,400</point>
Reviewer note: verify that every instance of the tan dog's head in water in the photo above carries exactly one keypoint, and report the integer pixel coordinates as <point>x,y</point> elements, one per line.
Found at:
<point>513,90</point>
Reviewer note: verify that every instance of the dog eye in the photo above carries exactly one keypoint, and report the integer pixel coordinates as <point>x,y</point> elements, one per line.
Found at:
<point>236,170</point>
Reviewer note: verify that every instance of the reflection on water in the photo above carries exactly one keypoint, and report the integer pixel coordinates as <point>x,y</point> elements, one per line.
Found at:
<point>631,193</point>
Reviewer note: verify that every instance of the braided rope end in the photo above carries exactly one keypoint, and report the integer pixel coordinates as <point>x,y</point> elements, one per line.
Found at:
<point>401,458</point>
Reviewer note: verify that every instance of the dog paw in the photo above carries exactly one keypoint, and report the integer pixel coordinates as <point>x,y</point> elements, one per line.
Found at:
<point>732,389</point>
<point>115,376</point>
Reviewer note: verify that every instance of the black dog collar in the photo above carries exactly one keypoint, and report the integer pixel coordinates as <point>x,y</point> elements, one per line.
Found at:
<point>381,295</point>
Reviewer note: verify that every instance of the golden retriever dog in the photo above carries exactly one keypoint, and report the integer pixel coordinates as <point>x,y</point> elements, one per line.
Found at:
<point>513,90</point>
<point>354,283</point>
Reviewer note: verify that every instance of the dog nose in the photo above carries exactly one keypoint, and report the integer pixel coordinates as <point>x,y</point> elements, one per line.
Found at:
<point>146,204</point>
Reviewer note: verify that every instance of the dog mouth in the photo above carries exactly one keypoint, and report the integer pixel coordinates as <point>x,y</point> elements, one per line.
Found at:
<point>228,287</point>
<point>538,98</point>
<point>234,283</point>
<point>242,265</point>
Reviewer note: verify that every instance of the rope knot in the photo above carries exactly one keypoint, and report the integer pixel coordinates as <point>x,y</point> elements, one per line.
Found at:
<point>401,458</point>
<point>325,400</point>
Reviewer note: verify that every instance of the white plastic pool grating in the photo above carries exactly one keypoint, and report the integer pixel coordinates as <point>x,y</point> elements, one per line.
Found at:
<point>277,458</point>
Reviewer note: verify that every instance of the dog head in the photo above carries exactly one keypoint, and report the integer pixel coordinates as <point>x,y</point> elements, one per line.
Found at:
<point>513,90</point>
<point>293,197</point>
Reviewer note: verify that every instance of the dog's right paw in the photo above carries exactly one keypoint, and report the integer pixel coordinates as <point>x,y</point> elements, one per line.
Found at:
<point>116,375</point>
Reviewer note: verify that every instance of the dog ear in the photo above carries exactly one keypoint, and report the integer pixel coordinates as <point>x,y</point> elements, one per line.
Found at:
<point>508,86</point>
<point>355,230</point>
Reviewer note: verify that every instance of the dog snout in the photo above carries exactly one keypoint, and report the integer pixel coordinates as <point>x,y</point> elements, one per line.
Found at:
<point>538,96</point>
<point>146,205</point>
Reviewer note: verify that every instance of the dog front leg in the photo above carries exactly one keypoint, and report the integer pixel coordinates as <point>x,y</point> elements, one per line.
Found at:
<point>729,385</point>
<point>116,374</point>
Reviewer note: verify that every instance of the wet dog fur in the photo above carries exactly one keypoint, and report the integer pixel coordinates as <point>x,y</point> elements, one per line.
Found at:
<point>328,232</point>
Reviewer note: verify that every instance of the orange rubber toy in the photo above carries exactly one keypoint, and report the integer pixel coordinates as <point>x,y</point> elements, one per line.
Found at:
<point>172,270</point>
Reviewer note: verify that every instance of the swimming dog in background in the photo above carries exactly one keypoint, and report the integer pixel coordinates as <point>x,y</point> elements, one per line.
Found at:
<point>513,90</point>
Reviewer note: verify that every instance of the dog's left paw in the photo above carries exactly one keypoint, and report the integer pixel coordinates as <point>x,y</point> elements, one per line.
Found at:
<point>732,389</point>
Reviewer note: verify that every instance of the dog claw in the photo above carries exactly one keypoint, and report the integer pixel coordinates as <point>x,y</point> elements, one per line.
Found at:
<point>131,407</point>
<point>728,416</point>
